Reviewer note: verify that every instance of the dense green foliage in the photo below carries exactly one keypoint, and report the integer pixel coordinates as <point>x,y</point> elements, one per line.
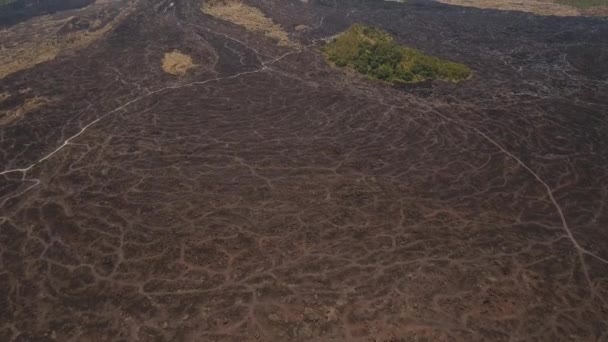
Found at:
<point>583,4</point>
<point>373,52</point>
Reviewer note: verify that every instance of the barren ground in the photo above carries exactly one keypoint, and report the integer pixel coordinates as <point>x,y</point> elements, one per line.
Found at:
<point>266,196</point>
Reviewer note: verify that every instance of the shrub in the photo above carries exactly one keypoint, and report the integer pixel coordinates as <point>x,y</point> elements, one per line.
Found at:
<point>373,52</point>
<point>383,72</point>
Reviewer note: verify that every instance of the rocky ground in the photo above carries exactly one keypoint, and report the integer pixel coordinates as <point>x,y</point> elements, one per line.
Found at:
<point>259,194</point>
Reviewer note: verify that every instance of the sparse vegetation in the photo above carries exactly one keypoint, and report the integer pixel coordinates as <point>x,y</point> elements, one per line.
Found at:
<point>249,17</point>
<point>25,57</point>
<point>540,7</point>
<point>177,63</point>
<point>9,116</point>
<point>48,45</point>
<point>583,4</point>
<point>373,52</point>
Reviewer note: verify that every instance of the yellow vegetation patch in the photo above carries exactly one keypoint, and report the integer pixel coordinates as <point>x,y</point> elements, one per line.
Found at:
<point>28,56</point>
<point>249,17</point>
<point>176,63</point>
<point>14,114</point>
<point>536,7</point>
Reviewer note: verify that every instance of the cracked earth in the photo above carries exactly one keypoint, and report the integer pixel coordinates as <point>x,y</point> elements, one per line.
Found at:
<point>265,196</point>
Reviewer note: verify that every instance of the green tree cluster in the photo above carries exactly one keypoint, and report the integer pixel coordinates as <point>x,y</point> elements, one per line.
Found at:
<point>373,52</point>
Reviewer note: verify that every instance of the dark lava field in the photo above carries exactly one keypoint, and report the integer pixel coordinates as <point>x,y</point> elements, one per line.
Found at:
<point>267,196</point>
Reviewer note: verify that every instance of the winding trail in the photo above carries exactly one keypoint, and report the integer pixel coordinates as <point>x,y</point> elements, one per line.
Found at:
<point>24,170</point>
<point>304,203</point>
<point>580,250</point>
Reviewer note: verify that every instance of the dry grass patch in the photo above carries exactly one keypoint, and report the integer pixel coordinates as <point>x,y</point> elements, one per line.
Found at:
<point>14,114</point>
<point>584,4</point>
<point>40,40</point>
<point>27,56</point>
<point>177,63</point>
<point>596,11</point>
<point>249,17</point>
<point>547,7</point>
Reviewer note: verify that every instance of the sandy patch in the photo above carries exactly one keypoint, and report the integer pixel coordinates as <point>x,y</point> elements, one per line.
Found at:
<point>249,17</point>
<point>177,63</point>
